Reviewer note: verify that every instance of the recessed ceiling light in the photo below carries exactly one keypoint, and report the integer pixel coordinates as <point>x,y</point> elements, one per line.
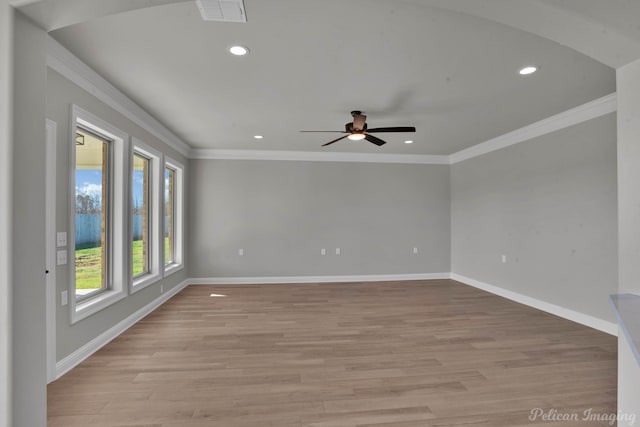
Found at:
<point>356,136</point>
<point>528,70</point>
<point>408,141</point>
<point>258,136</point>
<point>238,50</point>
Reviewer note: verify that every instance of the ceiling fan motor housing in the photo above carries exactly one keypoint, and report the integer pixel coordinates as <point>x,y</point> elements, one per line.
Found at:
<point>349,128</point>
<point>357,130</point>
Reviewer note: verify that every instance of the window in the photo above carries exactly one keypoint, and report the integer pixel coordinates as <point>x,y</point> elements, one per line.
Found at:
<point>172,215</point>
<point>145,218</point>
<point>91,213</point>
<point>169,217</point>
<point>140,212</point>
<point>127,215</point>
<point>97,178</point>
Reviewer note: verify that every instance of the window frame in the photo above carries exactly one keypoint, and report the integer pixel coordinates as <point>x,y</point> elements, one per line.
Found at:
<point>146,216</point>
<point>178,244</point>
<point>117,252</point>
<point>155,217</point>
<point>108,212</point>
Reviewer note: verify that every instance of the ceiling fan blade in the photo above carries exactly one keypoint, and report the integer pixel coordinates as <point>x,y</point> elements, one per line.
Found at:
<point>393,129</point>
<point>335,140</point>
<point>323,131</point>
<point>375,140</point>
<point>358,121</point>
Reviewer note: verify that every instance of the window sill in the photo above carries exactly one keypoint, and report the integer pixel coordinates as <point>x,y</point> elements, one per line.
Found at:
<point>139,283</point>
<point>84,309</point>
<point>172,268</point>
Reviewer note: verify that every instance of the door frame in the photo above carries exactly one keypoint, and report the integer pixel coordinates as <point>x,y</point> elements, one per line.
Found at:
<point>51,249</point>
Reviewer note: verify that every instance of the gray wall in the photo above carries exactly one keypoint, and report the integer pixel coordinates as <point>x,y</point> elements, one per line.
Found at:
<point>629,224</point>
<point>281,213</point>
<point>61,93</point>
<point>629,177</point>
<point>6,181</point>
<point>28,240</point>
<point>549,205</point>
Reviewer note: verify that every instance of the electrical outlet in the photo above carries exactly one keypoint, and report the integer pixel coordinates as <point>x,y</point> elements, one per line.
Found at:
<point>61,257</point>
<point>323,251</point>
<point>337,251</point>
<point>162,289</point>
<point>64,298</point>
<point>415,250</point>
<point>61,239</point>
<point>240,252</point>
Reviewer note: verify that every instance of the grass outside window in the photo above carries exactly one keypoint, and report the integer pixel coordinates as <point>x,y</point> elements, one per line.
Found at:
<point>88,265</point>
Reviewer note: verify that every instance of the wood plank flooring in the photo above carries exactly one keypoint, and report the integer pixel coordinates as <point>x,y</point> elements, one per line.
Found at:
<point>391,354</point>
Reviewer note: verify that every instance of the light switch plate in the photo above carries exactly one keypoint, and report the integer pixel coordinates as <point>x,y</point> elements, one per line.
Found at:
<point>64,298</point>
<point>61,257</point>
<point>61,239</point>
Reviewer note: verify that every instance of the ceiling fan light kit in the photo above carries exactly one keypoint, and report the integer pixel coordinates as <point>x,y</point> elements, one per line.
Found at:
<point>358,130</point>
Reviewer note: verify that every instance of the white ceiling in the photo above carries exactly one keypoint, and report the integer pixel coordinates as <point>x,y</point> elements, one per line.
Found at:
<point>452,75</point>
<point>620,16</point>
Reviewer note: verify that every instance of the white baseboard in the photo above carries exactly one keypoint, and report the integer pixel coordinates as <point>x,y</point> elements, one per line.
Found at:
<point>75,358</point>
<point>315,279</point>
<point>575,316</point>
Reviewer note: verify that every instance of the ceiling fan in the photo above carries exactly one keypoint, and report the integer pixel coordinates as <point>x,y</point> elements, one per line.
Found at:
<point>357,130</point>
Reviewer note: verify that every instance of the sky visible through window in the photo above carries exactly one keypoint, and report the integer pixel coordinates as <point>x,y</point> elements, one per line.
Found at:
<point>89,182</point>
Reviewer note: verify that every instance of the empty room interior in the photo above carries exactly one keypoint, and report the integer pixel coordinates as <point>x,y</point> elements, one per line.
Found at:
<point>320,213</point>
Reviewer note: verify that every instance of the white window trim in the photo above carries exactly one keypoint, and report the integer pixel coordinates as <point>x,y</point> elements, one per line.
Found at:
<point>178,263</point>
<point>155,216</point>
<point>51,247</point>
<point>119,251</point>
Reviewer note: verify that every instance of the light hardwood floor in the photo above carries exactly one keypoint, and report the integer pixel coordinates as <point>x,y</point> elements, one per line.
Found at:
<point>403,354</point>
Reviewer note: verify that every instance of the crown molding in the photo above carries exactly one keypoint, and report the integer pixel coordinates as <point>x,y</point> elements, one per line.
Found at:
<point>582,113</point>
<point>66,63</point>
<point>591,110</point>
<point>317,156</point>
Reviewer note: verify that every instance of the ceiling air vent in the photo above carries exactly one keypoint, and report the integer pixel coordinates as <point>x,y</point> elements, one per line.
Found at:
<point>222,10</point>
